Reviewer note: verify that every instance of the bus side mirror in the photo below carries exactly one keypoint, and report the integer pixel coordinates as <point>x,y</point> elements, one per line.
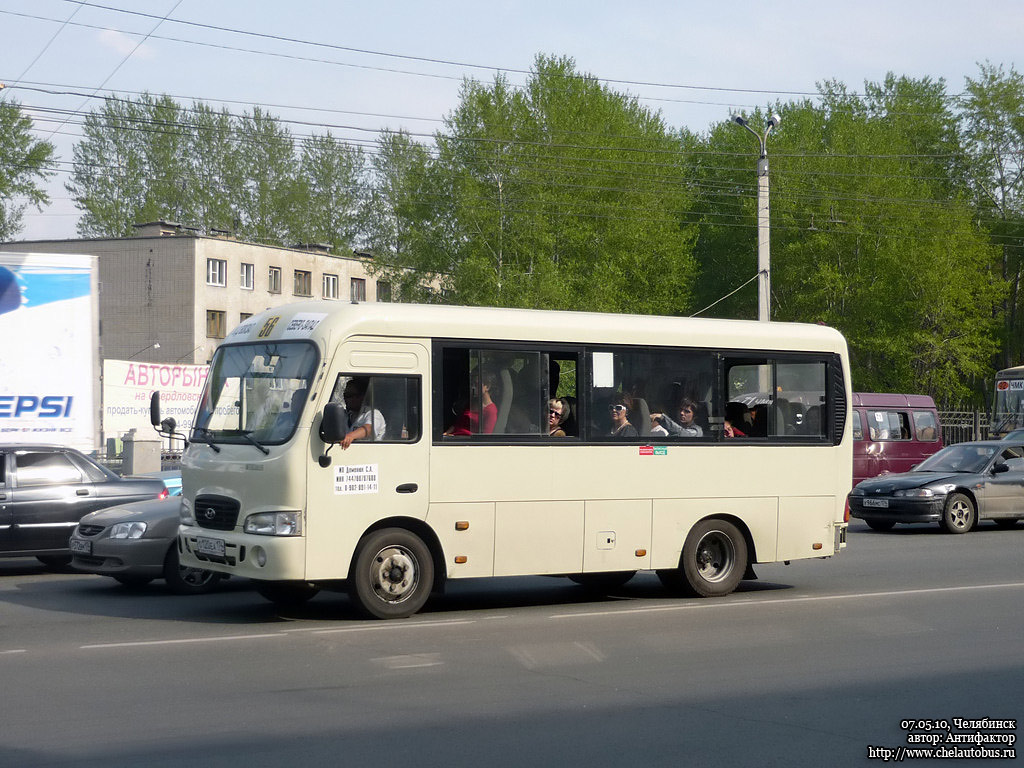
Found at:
<point>334,425</point>
<point>333,428</point>
<point>154,409</point>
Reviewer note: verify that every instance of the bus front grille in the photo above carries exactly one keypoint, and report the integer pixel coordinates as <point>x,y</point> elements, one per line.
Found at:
<point>216,512</point>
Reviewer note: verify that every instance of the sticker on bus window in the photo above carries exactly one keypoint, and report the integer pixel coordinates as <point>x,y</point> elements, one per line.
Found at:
<point>355,478</point>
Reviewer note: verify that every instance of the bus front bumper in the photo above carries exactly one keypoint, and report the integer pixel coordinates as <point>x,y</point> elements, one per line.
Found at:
<point>267,558</point>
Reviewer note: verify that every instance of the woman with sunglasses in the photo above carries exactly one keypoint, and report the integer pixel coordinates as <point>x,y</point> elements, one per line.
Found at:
<point>619,412</point>
<point>558,412</point>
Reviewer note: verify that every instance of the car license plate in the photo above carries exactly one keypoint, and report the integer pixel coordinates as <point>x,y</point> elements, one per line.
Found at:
<point>80,547</point>
<point>880,503</point>
<point>212,547</point>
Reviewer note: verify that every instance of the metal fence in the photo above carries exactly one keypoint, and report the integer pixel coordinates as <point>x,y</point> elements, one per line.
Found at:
<point>169,460</point>
<point>963,426</point>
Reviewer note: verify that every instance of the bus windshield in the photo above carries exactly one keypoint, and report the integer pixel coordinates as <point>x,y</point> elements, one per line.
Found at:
<point>1008,405</point>
<point>255,392</point>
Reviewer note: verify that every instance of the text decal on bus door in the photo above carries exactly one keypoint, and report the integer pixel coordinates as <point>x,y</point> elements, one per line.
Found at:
<point>355,478</point>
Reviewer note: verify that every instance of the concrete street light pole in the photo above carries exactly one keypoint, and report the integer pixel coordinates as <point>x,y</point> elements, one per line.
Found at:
<point>764,283</point>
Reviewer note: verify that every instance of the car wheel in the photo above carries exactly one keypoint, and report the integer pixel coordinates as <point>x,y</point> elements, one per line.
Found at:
<point>393,574</point>
<point>55,562</point>
<point>713,562</point>
<point>880,525</point>
<point>132,580</point>
<point>185,580</point>
<point>959,515</point>
<point>287,594</point>
<point>602,582</point>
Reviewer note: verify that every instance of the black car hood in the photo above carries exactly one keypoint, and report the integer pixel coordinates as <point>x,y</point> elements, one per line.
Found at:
<point>904,480</point>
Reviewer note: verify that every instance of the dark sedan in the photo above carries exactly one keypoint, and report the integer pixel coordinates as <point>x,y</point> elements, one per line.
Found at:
<point>957,487</point>
<point>46,489</point>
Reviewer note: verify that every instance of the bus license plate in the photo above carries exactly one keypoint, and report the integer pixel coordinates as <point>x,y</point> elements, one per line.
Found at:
<point>80,547</point>
<point>880,503</point>
<point>212,547</point>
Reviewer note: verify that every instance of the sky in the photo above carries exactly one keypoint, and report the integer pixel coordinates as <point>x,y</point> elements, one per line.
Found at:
<point>358,67</point>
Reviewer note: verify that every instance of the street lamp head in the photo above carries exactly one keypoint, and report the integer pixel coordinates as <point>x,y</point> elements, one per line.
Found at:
<point>774,120</point>
<point>738,119</point>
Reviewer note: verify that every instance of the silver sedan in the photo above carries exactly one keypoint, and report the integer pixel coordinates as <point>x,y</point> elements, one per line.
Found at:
<point>136,543</point>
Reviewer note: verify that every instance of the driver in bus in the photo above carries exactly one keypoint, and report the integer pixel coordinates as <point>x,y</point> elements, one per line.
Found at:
<point>364,422</point>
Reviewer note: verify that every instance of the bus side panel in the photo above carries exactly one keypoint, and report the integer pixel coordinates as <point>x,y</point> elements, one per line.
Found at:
<point>673,519</point>
<point>538,537</point>
<point>475,543</point>
<point>803,522</point>
<point>615,532</point>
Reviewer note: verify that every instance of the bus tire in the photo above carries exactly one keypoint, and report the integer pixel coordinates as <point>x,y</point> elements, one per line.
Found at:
<point>393,574</point>
<point>602,582</point>
<point>959,515</point>
<point>287,594</point>
<point>714,559</point>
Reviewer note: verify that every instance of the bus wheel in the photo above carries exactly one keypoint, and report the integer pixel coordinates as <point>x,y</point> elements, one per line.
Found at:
<point>393,574</point>
<point>713,562</point>
<point>287,593</point>
<point>958,516</point>
<point>602,582</point>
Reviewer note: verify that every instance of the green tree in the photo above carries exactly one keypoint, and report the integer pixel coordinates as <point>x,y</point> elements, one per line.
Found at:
<point>330,192</point>
<point>562,194</point>
<point>993,128</point>
<point>24,167</point>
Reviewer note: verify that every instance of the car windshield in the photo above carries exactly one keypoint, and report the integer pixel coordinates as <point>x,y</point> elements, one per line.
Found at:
<point>965,457</point>
<point>255,392</point>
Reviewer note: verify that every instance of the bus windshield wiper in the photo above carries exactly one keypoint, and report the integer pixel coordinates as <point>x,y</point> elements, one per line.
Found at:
<point>248,436</point>
<point>196,438</point>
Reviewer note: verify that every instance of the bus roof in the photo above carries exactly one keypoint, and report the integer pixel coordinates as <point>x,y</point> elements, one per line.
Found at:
<point>1016,372</point>
<point>310,319</point>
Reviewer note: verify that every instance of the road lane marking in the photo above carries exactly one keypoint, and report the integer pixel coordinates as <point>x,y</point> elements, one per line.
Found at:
<point>390,625</point>
<point>180,641</point>
<point>16,650</point>
<point>732,603</point>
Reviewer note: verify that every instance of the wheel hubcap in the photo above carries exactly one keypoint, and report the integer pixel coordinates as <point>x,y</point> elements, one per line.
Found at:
<point>394,573</point>
<point>715,556</point>
<point>959,514</point>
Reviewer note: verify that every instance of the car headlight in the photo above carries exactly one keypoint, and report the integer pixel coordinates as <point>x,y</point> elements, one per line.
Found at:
<point>858,491</point>
<point>916,493</point>
<point>185,515</point>
<point>274,524</point>
<point>132,530</point>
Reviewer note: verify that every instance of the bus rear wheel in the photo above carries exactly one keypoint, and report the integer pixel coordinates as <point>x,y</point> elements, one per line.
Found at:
<point>393,574</point>
<point>713,562</point>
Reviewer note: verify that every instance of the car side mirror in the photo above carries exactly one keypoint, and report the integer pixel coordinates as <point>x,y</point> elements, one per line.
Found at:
<point>999,468</point>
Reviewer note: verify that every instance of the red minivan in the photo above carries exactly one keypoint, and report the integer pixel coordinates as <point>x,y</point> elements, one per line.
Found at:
<point>892,433</point>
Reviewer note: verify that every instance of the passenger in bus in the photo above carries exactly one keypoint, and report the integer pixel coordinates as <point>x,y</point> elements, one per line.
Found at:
<point>364,422</point>
<point>558,414</point>
<point>685,427</point>
<point>619,410</point>
<point>735,419</point>
<point>469,421</point>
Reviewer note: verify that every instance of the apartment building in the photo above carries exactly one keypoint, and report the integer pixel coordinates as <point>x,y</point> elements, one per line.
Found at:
<point>170,295</point>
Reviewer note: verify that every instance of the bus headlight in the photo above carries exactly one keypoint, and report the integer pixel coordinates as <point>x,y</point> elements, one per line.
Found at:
<point>274,524</point>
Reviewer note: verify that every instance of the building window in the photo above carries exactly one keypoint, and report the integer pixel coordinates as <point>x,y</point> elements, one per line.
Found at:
<point>358,289</point>
<point>216,272</point>
<point>303,283</point>
<point>274,280</point>
<point>330,286</point>
<point>383,291</point>
<point>243,316</point>
<point>215,323</point>
<point>248,276</point>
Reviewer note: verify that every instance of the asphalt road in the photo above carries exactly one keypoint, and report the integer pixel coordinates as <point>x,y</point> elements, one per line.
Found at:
<point>810,665</point>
